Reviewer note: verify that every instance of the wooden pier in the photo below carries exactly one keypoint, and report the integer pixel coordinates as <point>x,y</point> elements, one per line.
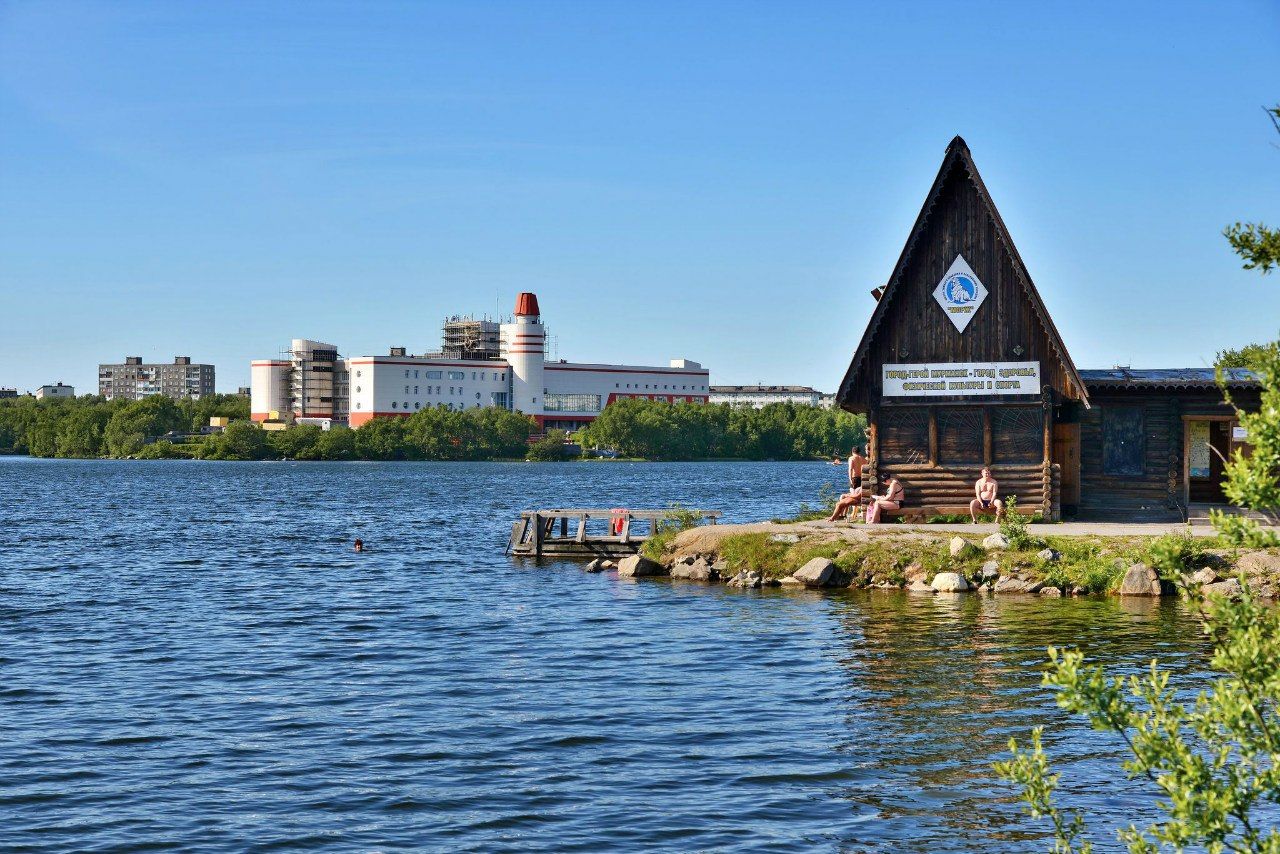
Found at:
<point>537,534</point>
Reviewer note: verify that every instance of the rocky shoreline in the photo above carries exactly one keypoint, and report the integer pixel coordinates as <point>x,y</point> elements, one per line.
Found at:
<point>817,555</point>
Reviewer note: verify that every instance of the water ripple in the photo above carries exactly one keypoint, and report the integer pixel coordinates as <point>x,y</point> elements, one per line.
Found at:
<point>192,658</point>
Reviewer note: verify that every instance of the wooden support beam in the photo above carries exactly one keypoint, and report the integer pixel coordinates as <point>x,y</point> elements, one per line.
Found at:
<point>582,528</point>
<point>987,443</point>
<point>626,529</point>
<point>933,436</point>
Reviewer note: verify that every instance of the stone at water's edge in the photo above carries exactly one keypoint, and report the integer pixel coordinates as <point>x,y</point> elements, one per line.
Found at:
<point>816,572</point>
<point>597,565</point>
<point>1050,591</point>
<point>990,569</point>
<point>996,541</point>
<point>745,580</point>
<point>1205,576</point>
<point>914,572</point>
<point>639,566</point>
<point>1229,588</point>
<point>696,570</point>
<point>1014,584</point>
<point>1140,580</point>
<point>949,582</point>
<point>919,586</point>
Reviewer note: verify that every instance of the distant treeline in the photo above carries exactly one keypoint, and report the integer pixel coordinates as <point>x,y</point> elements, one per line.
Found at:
<point>779,431</point>
<point>93,427</point>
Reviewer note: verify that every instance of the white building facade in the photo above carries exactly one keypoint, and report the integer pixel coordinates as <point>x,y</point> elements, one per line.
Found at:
<point>558,395</point>
<point>758,396</point>
<point>58,390</point>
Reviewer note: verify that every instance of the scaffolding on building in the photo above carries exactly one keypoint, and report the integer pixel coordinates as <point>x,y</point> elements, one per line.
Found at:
<point>466,337</point>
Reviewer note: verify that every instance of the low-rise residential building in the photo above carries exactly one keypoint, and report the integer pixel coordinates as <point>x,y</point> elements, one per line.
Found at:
<point>133,379</point>
<point>56,390</point>
<point>8,392</point>
<point>758,396</point>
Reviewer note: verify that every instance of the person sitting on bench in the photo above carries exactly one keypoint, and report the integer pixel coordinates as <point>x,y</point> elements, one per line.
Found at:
<point>891,500</point>
<point>853,497</point>
<point>986,489</point>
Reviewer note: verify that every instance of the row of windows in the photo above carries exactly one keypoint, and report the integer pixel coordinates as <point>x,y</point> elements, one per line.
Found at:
<point>571,402</point>
<point>671,387</point>
<point>418,405</point>
<point>500,376</point>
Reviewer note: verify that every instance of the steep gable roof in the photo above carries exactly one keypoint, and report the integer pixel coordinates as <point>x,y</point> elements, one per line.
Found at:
<point>958,157</point>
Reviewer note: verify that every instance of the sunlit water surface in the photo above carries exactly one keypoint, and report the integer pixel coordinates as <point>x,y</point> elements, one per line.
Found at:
<point>192,657</point>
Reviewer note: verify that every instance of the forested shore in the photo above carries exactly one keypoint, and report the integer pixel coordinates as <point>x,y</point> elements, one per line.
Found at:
<point>160,428</point>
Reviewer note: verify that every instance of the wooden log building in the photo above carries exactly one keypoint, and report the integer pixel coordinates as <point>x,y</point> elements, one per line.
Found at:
<point>961,367</point>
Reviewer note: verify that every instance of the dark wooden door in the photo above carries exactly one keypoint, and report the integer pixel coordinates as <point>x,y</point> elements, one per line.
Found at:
<point>1124,445</point>
<point>1066,453</point>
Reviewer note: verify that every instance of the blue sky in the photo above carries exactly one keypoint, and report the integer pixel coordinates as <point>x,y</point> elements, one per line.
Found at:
<point>722,182</point>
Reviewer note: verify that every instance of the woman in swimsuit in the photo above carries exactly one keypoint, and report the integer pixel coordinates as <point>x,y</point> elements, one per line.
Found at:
<point>891,500</point>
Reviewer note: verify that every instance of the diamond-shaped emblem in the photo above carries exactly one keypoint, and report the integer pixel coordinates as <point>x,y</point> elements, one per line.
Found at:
<point>960,293</point>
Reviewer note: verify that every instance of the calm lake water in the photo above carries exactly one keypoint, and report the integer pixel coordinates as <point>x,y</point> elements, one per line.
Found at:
<point>191,657</point>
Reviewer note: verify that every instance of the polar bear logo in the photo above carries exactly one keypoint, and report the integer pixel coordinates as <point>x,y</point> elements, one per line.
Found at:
<point>960,289</point>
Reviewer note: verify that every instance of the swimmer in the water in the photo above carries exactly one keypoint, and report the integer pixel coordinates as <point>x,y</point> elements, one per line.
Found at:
<point>359,544</point>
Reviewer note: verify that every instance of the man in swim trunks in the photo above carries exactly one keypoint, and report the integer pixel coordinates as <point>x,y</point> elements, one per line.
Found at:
<point>986,490</point>
<point>853,497</point>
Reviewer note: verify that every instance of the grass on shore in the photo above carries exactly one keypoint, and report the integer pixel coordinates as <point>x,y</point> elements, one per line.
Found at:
<point>1094,564</point>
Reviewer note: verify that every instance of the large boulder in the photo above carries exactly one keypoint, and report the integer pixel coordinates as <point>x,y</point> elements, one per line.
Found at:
<point>1048,555</point>
<point>949,582</point>
<point>816,572</point>
<point>694,570</point>
<point>596,565</point>
<point>639,566</point>
<point>958,546</point>
<point>1229,588</point>
<point>920,586</point>
<point>1140,580</point>
<point>996,541</point>
<point>1017,584</point>
<point>1260,565</point>
<point>1050,591</point>
<point>745,580</point>
<point>990,570</point>
<point>914,572</point>
<point>1205,576</point>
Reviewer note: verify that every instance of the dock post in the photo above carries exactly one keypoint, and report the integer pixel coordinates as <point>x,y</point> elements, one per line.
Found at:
<point>626,528</point>
<point>539,533</point>
<point>582,528</point>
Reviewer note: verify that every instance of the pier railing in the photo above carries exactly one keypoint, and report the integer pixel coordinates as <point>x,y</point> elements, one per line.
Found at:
<point>535,533</point>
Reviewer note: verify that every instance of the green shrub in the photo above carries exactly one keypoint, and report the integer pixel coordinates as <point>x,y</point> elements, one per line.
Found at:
<point>1174,554</point>
<point>1241,532</point>
<point>550,448</point>
<point>1210,759</point>
<point>1014,527</point>
<point>678,518</point>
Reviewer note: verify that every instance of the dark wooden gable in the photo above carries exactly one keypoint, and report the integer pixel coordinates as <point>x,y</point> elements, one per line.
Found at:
<point>958,218</point>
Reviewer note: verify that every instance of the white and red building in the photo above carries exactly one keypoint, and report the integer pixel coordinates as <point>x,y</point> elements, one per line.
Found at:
<point>311,383</point>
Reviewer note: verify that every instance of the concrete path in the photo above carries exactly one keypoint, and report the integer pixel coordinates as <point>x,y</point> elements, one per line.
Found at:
<point>1063,529</point>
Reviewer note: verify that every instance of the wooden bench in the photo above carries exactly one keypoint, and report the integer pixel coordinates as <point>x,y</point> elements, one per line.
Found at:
<point>923,512</point>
